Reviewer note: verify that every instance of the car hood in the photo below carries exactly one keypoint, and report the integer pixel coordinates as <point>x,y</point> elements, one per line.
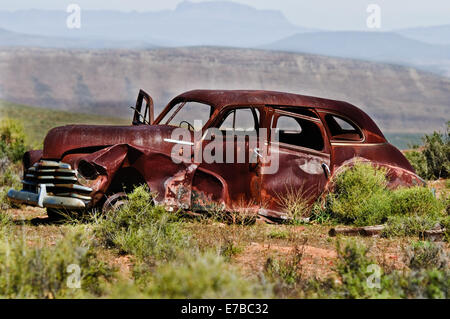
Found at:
<point>90,138</point>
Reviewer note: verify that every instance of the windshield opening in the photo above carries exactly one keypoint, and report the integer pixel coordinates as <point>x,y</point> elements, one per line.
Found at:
<point>184,114</point>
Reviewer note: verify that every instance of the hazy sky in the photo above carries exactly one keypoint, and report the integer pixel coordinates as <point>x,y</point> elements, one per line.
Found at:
<point>324,14</point>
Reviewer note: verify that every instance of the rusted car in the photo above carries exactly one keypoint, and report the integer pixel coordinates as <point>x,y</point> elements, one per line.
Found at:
<point>86,166</point>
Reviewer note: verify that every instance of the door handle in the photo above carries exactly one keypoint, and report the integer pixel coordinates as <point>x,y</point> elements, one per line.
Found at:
<point>326,169</point>
<point>256,152</point>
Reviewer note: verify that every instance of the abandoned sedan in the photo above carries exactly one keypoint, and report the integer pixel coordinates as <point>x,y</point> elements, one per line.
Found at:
<point>209,148</point>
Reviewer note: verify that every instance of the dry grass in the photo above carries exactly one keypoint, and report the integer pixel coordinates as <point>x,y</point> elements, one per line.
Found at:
<point>295,202</point>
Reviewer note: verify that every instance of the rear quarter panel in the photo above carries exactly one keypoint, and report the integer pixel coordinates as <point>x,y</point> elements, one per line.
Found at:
<point>400,171</point>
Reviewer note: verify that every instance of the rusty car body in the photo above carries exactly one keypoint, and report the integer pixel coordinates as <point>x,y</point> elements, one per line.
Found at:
<point>86,166</point>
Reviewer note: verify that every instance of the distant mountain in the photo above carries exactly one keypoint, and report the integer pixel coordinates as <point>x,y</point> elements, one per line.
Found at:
<point>434,35</point>
<point>106,82</point>
<point>15,39</point>
<point>207,23</point>
<point>372,46</point>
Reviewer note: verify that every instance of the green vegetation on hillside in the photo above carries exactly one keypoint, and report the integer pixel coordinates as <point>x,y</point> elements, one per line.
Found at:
<point>38,121</point>
<point>432,160</point>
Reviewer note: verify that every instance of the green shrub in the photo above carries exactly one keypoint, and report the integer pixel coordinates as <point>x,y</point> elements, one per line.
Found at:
<point>445,222</point>
<point>414,210</point>
<point>285,272</point>
<point>278,234</point>
<point>230,249</point>
<point>397,226</point>
<point>360,196</point>
<point>9,178</point>
<point>12,139</point>
<point>34,271</point>
<point>433,162</point>
<point>142,229</point>
<point>428,277</point>
<point>418,284</point>
<point>353,270</point>
<point>415,201</point>
<point>205,275</point>
<point>419,162</point>
<point>426,255</point>
<point>424,280</point>
<point>5,221</point>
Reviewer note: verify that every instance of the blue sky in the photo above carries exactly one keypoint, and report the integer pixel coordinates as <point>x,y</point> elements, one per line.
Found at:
<point>323,14</point>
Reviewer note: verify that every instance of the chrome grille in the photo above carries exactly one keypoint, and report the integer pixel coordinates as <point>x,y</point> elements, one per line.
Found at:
<point>59,179</point>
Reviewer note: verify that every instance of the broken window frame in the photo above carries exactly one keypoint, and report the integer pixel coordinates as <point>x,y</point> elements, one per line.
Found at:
<point>332,138</point>
<point>273,122</point>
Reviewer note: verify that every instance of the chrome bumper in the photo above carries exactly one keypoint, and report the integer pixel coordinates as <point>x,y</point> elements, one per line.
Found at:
<point>51,184</point>
<point>43,200</point>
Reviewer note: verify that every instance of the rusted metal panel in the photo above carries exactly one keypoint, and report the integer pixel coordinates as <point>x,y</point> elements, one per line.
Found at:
<point>102,158</point>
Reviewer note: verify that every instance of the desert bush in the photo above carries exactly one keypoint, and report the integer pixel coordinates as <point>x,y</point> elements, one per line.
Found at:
<point>415,201</point>
<point>418,161</point>
<point>433,162</point>
<point>278,234</point>
<point>5,221</point>
<point>414,210</point>
<point>12,147</point>
<point>428,275</point>
<point>202,275</point>
<point>39,271</point>
<point>12,139</point>
<point>419,284</point>
<point>397,226</point>
<point>360,196</point>
<point>230,249</point>
<point>352,269</point>
<point>143,229</point>
<point>445,223</point>
<point>285,272</point>
<point>9,178</point>
<point>422,280</point>
<point>426,255</point>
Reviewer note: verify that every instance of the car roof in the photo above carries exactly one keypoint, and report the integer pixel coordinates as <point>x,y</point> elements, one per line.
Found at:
<point>223,98</point>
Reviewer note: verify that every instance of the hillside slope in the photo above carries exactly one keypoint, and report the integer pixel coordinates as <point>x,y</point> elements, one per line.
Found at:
<point>37,121</point>
<point>371,46</point>
<point>400,99</point>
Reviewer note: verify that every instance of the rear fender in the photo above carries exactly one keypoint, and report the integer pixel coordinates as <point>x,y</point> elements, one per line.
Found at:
<point>397,176</point>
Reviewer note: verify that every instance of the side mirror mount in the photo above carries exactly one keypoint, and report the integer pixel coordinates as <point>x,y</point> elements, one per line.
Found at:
<point>140,116</point>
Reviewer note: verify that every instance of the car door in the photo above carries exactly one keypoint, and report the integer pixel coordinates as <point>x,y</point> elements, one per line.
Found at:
<point>230,177</point>
<point>300,146</point>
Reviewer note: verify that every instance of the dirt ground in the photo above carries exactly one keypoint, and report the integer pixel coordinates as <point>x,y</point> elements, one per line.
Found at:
<point>252,245</point>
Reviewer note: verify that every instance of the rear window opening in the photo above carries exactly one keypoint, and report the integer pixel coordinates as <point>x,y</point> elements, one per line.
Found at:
<point>342,129</point>
<point>299,132</point>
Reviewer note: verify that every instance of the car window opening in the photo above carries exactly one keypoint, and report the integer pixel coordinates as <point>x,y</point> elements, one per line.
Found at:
<point>299,132</point>
<point>341,129</point>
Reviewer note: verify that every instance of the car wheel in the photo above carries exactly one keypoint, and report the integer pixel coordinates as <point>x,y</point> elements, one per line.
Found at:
<point>114,202</point>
